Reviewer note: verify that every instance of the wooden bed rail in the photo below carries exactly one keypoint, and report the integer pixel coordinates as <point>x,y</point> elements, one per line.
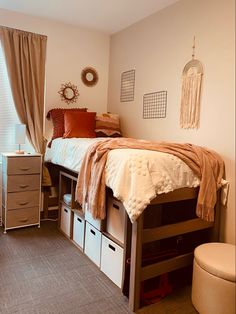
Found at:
<point>140,236</point>
<point>169,265</point>
<point>172,230</point>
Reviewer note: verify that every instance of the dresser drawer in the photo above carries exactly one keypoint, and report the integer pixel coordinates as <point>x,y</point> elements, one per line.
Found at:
<point>22,217</point>
<point>17,183</point>
<point>23,165</point>
<point>17,200</point>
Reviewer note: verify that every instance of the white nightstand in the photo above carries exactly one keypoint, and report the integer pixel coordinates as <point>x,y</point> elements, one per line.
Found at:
<point>21,190</point>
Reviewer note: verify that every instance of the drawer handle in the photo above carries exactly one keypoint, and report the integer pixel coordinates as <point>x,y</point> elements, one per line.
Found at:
<point>93,232</point>
<point>65,210</point>
<point>79,219</point>
<point>116,206</point>
<point>112,247</point>
<point>23,203</point>
<point>24,169</point>
<point>23,220</point>
<point>23,186</point>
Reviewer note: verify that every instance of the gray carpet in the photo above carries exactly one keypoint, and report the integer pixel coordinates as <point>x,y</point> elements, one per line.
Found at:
<point>43,272</point>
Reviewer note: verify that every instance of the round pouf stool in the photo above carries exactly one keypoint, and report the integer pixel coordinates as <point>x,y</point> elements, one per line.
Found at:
<point>213,286</point>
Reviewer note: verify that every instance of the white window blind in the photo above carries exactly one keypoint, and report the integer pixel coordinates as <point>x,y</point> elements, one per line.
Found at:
<point>8,114</point>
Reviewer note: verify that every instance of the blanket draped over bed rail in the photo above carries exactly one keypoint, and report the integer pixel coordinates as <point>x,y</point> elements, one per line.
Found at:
<point>205,163</point>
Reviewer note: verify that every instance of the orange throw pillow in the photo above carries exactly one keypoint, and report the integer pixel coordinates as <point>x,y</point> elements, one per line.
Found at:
<point>79,124</point>
<point>57,117</point>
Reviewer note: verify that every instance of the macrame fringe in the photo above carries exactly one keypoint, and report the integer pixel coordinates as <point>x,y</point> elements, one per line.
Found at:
<point>190,101</point>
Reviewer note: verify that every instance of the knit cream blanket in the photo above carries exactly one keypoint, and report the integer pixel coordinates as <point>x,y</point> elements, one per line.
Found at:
<point>205,163</point>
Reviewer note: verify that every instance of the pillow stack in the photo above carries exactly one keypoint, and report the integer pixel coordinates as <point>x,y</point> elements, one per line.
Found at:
<point>57,117</point>
<point>78,122</point>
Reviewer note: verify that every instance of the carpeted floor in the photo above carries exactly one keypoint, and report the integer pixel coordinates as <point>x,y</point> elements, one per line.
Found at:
<point>43,272</point>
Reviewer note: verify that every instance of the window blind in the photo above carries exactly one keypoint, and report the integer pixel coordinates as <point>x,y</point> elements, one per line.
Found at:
<point>8,114</point>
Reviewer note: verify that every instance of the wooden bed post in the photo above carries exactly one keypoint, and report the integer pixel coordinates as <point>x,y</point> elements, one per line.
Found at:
<point>215,230</point>
<point>135,265</point>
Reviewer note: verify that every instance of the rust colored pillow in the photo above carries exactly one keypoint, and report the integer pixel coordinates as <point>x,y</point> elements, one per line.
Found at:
<point>79,124</point>
<point>57,116</point>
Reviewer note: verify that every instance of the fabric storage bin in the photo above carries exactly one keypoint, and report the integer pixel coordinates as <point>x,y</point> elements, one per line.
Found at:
<point>112,260</point>
<point>65,220</point>
<point>78,229</point>
<point>116,219</point>
<point>97,223</point>
<point>92,244</point>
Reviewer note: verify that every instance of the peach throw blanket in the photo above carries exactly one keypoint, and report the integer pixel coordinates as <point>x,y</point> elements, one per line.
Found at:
<point>205,163</point>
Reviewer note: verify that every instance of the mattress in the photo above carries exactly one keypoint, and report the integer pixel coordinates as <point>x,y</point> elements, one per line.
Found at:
<point>135,176</point>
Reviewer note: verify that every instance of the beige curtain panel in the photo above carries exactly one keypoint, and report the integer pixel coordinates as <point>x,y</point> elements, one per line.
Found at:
<point>25,55</point>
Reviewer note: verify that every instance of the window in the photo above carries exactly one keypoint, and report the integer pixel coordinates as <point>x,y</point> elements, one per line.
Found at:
<point>8,114</point>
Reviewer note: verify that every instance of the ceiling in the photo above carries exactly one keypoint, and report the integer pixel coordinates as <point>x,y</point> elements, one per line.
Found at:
<point>109,16</point>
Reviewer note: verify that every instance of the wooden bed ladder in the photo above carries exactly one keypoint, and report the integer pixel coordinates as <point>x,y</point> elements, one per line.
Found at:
<point>140,236</point>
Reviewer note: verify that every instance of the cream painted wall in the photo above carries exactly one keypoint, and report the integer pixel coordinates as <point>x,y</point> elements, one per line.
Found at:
<point>158,47</point>
<point>69,50</point>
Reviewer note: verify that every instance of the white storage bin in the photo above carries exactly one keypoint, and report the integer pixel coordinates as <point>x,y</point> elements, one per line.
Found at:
<point>65,219</point>
<point>112,260</point>
<point>116,219</point>
<point>78,229</point>
<point>92,245</point>
<point>97,223</point>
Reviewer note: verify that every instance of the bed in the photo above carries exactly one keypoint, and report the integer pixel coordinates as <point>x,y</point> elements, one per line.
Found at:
<point>141,178</point>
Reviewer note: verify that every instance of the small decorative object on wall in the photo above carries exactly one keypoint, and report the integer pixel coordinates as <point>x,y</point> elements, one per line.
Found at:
<point>191,93</point>
<point>69,92</point>
<point>89,76</point>
<point>154,105</point>
<point>127,86</point>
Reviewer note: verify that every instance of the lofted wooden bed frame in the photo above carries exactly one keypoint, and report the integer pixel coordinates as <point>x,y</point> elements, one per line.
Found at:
<point>140,236</point>
<point>136,235</point>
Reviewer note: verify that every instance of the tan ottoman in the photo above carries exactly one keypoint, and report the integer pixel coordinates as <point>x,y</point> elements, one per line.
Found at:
<point>213,287</point>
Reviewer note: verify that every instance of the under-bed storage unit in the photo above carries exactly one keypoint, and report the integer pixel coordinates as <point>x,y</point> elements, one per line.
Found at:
<point>141,236</point>
<point>102,246</point>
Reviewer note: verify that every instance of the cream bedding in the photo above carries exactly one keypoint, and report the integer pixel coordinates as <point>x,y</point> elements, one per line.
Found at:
<point>135,176</point>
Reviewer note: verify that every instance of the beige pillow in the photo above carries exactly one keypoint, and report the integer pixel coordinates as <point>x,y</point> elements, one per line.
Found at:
<point>107,125</point>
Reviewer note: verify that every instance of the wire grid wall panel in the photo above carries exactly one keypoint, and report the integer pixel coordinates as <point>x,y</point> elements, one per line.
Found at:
<point>127,86</point>
<point>154,105</point>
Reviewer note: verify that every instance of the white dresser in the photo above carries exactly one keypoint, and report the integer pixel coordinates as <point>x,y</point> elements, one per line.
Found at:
<point>21,190</point>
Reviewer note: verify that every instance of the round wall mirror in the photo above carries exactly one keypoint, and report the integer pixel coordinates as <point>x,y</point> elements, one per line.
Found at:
<point>89,76</point>
<point>69,92</point>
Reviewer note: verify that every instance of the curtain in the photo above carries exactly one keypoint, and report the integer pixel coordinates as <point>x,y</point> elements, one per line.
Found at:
<point>25,55</point>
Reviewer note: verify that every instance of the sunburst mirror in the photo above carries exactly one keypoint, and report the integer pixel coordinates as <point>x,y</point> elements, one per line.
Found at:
<point>89,76</point>
<point>69,92</point>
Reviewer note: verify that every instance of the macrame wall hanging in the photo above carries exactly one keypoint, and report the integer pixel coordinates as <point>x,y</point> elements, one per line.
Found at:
<point>191,92</point>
